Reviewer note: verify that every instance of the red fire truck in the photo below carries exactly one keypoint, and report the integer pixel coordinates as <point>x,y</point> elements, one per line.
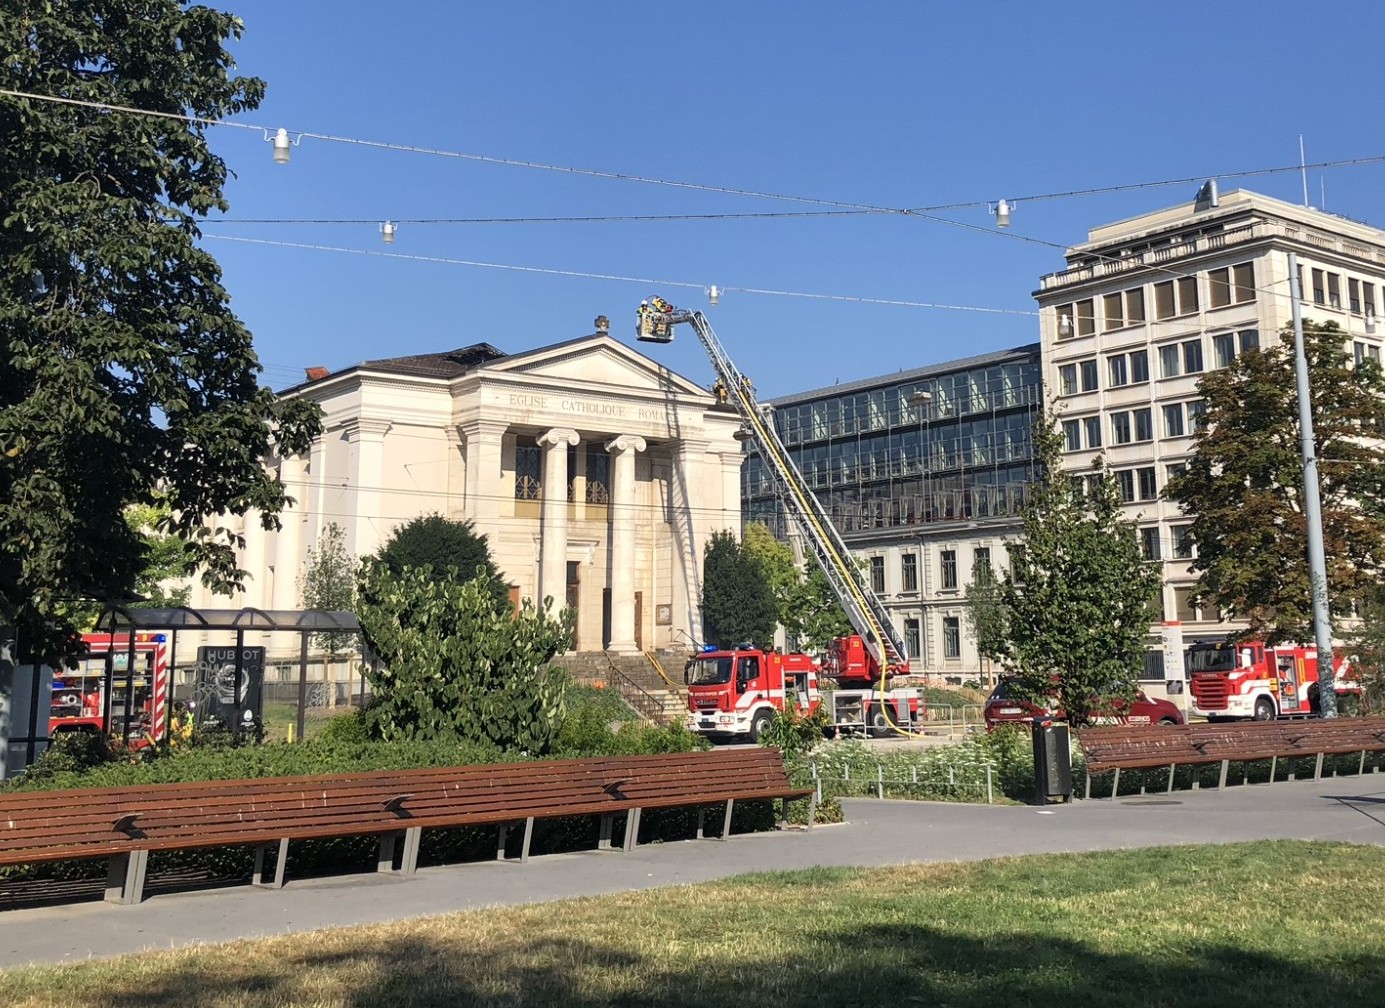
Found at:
<point>1250,680</point>
<point>733,694</point>
<point>107,691</point>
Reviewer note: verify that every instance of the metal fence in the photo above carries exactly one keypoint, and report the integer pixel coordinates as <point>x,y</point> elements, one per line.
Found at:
<point>954,719</point>
<point>915,784</point>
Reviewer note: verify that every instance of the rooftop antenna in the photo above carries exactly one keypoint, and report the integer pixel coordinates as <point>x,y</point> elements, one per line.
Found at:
<point>1303,168</point>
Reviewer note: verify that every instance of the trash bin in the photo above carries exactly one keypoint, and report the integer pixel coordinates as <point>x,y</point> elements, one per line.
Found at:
<point>1052,762</point>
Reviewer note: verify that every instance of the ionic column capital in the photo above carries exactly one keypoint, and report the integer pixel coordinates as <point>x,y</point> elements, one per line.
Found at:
<point>558,437</point>
<point>626,442</point>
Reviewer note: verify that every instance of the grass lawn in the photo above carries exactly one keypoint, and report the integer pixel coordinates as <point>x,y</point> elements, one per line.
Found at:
<point>280,714</point>
<point>1264,924</point>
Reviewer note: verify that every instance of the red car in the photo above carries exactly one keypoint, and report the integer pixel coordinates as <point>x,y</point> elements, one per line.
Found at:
<point>1001,708</point>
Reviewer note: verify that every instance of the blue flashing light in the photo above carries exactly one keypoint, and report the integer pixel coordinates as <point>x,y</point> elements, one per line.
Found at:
<point>708,647</point>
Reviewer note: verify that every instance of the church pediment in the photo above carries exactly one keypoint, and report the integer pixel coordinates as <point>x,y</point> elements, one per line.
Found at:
<point>595,363</point>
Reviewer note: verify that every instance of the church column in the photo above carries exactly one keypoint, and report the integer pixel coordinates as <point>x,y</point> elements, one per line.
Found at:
<point>689,526</point>
<point>483,466</point>
<point>623,514</point>
<point>553,565</point>
<point>731,463</point>
<point>288,545</point>
<point>367,437</point>
<point>253,562</point>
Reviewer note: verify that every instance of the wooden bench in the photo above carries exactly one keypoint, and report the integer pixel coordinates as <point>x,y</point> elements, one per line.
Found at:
<point>1132,747</point>
<point>125,824</point>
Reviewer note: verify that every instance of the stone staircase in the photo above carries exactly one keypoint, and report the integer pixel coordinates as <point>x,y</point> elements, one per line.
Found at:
<point>636,678</point>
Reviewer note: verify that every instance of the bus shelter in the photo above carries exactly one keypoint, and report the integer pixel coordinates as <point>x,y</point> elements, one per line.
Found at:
<point>129,622</point>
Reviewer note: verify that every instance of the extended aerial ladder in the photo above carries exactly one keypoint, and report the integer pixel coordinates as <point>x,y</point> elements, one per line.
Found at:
<point>863,608</point>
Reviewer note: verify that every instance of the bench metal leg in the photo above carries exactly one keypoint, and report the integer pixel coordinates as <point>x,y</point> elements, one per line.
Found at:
<point>1115,783</point>
<point>632,830</point>
<point>524,846</point>
<point>125,877</point>
<point>1171,769</point>
<point>281,860</point>
<point>1362,768</point>
<point>408,861</point>
<point>384,855</point>
<point>726,820</point>
<point>1317,768</point>
<point>608,825</point>
<point>812,808</point>
<point>1274,765</point>
<point>701,821</point>
<point>1221,780</point>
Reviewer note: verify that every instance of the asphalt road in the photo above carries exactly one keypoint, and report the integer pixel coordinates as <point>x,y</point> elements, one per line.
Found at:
<point>877,834</point>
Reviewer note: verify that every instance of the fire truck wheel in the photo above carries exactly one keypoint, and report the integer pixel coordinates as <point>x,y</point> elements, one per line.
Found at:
<point>1167,721</point>
<point>1264,709</point>
<point>877,723</point>
<point>760,725</point>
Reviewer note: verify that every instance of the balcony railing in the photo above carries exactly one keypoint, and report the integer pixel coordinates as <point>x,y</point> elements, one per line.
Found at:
<point>1203,244</point>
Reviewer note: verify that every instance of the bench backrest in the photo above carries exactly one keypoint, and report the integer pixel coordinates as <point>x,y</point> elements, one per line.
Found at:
<point>36,826</point>
<point>1110,746</point>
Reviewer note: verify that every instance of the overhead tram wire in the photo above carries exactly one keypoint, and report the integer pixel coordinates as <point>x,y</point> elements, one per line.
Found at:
<point>650,180</point>
<point>587,275</point>
<point>924,213</point>
<point>595,219</point>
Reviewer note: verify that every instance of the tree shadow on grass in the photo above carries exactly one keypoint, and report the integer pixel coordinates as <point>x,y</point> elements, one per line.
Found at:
<point>878,965</point>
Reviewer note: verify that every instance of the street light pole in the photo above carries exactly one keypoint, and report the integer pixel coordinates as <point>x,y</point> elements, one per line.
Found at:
<point>1312,506</point>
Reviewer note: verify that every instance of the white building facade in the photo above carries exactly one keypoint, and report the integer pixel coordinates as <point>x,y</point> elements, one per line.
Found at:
<point>1147,306</point>
<point>596,475</point>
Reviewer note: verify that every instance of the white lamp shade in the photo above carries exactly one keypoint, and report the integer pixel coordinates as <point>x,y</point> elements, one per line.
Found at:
<point>282,147</point>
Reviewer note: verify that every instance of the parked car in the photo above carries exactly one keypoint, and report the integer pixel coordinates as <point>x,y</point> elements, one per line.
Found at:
<point>1002,708</point>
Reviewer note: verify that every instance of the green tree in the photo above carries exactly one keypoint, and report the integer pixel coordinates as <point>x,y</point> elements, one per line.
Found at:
<point>777,562</point>
<point>1365,647</point>
<point>166,557</point>
<point>816,618</point>
<point>328,583</point>
<point>737,600</point>
<point>986,613</point>
<point>1244,484</point>
<point>440,544</point>
<point>124,375</point>
<point>451,666</point>
<point>805,605</point>
<point>1077,597</point>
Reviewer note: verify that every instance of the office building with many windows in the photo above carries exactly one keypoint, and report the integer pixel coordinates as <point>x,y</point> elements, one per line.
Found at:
<point>1148,305</point>
<point>923,472</point>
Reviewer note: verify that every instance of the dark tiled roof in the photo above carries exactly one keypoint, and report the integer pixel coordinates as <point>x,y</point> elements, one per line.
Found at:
<point>452,364</point>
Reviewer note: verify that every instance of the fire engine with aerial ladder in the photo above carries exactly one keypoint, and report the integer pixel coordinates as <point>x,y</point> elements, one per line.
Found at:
<point>733,693</point>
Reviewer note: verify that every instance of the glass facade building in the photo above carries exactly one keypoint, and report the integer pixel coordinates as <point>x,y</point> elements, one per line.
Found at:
<point>946,443</point>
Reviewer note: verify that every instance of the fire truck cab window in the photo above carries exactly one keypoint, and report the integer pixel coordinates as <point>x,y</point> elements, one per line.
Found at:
<point>709,671</point>
<point>1211,659</point>
<point>748,668</point>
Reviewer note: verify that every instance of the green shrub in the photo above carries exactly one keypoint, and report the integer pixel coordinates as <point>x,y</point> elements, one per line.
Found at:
<point>602,701</point>
<point>793,732</point>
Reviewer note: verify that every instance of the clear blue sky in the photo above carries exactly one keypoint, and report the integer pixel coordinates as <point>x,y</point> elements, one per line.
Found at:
<point>898,104</point>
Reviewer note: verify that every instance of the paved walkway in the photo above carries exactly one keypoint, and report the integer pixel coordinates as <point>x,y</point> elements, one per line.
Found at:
<point>878,834</point>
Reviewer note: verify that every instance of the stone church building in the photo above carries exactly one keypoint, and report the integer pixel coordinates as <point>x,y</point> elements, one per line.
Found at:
<point>596,474</point>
